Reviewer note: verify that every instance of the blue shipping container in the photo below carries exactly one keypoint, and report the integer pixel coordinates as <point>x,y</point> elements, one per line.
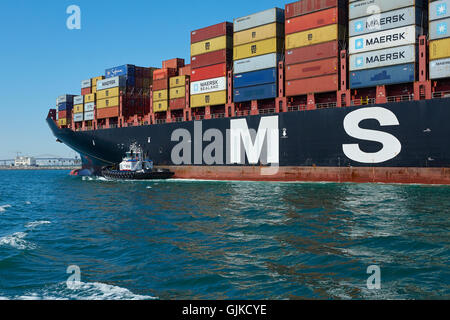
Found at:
<point>255,78</point>
<point>65,106</point>
<point>125,70</point>
<point>382,76</point>
<point>265,91</point>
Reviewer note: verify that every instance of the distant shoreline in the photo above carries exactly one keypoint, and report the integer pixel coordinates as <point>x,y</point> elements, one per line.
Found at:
<point>8,168</point>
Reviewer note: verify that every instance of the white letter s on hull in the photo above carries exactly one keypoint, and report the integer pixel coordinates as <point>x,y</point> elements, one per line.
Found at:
<point>391,145</point>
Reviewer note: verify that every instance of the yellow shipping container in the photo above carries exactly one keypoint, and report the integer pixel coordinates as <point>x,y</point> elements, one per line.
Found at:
<point>78,108</point>
<point>315,36</point>
<point>211,45</point>
<point>440,49</point>
<point>107,103</point>
<point>161,95</point>
<point>94,89</point>
<point>62,122</point>
<point>209,99</point>
<point>96,79</point>
<point>89,98</point>
<point>178,81</point>
<point>274,30</point>
<point>160,106</point>
<point>108,93</point>
<point>258,48</point>
<point>176,93</point>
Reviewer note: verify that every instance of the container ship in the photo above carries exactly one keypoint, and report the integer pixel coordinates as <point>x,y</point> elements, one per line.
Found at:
<point>322,90</point>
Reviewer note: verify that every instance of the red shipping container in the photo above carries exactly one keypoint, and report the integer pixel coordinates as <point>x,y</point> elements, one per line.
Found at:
<point>312,69</point>
<point>312,85</point>
<point>86,91</point>
<point>217,30</point>
<point>139,83</point>
<point>185,71</point>
<point>164,73</point>
<point>313,20</point>
<point>311,53</point>
<point>210,72</point>
<point>176,104</point>
<point>161,84</point>
<point>64,114</point>
<point>173,63</point>
<point>212,58</point>
<point>308,6</point>
<point>139,73</point>
<point>104,113</point>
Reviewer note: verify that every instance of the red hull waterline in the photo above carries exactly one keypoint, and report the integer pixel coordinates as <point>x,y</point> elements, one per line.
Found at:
<point>429,176</point>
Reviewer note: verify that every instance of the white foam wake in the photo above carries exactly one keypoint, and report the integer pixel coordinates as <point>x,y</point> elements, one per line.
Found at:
<point>17,241</point>
<point>35,224</point>
<point>4,207</point>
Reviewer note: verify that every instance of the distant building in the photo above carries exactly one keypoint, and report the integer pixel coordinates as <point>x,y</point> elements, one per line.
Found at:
<point>25,162</point>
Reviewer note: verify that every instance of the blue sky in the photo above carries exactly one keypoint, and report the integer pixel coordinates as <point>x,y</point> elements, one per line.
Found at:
<point>41,59</point>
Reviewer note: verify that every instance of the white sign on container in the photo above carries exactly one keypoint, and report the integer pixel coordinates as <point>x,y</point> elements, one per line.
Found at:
<point>384,21</point>
<point>258,19</point>
<point>86,84</point>
<point>78,100</point>
<point>64,99</point>
<point>440,68</point>
<point>384,39</point>
<point>89,106</point>
<point>209,85</point>
<point>111,83</point>
<point>383,58</point>
<point>365,8</point>
<point>266,61</point>
<point>88,116</point>
<point>439,10</point>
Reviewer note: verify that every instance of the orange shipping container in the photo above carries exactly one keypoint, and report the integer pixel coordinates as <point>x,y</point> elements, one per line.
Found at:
<point>173,63</point>
<point>312,21</point>
<point>312,69</point>
<point>176,104</point>
<point>104,113</point>
<point>164,73</point>
<point>185,71</point>
<point>312,85</point>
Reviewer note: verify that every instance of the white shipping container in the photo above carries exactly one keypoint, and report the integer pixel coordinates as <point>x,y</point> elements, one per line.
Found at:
<point>440,68</point>
<point>111,83</point>
<point>78,117</point>
<point>439,29</point>
<point>209,85</point>
<point>86,84</point>
<point>67,98</point>
<point>266,61</point>
<point>365,8</point>
<point>383,58</point>
<point>78,100</point>
<point>88,116</point>
<point>258,19</point>
<point>384,21</point>
<point>384,39</point>
<point>89,106</point>
<point>439,10</point>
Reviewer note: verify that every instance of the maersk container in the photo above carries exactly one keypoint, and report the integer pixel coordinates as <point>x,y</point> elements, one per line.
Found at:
<point>67,98</point>
<point>365,8</point>
<point>265,91</point>
<point>78,100</point>
<point>86,84</point>
<point>439,29</point>
<point>255,78</point>
<point>125,70</point>
<point>440,69</point>
<point>111,83</point>
<point>266,61</point>
<point>385,21</point>
<point>259,19</point>
<point>384,39</point>
<point>78,117</point>
<point>383,76</point>
<point>89,116</point>
<point>383,58</point>
<point>209,85</point>
<point>439,10</point>
<point>88,107</point>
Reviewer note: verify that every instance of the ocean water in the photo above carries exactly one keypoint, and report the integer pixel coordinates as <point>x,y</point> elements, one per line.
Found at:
<point>220,240</point>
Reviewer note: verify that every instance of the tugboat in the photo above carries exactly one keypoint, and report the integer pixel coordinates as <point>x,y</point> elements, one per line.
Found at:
<point>136,167</point>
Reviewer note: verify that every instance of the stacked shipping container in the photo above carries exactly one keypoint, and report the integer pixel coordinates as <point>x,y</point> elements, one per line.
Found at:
<point>210,59</point>
<point>258,45</point>
<point>108,99</point>
<point>78,109</point>
<point>64,106</point>
<point>383,42</point>
<point>314,30</point>
<point>161,88</point>
<point>439,16</point>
